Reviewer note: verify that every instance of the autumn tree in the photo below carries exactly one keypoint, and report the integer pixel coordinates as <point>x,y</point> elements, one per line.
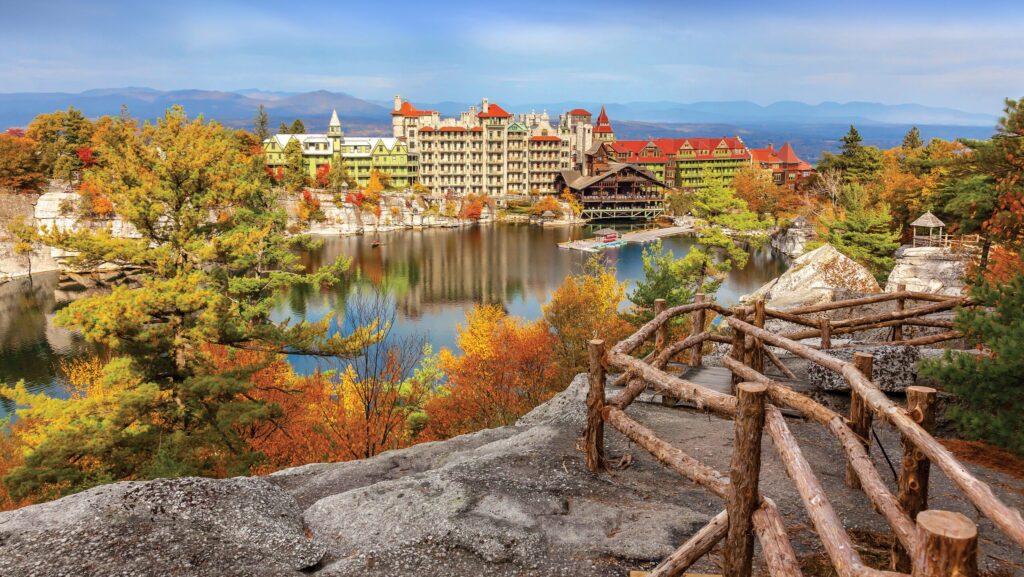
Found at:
<point>585,306</point>
<point>357,409</point>
<point>20,167</point>
<point>261,124</point>
<point>546,203</point>
<point>504,369</point>
<point>1007,222</point>
<point>212,257</point>
<point>755,186</point>
<point>60,134</point>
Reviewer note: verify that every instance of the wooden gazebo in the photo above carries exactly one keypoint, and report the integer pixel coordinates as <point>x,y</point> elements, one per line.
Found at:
<point>931,224</point>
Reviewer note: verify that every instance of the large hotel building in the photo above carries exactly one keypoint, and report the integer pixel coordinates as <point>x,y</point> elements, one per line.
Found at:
<point>488,150</point>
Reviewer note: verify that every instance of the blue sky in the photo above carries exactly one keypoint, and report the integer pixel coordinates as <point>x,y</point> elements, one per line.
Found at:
<point>966,55</point>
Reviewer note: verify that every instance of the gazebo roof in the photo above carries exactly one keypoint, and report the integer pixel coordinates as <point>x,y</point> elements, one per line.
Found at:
<point>928,220</point>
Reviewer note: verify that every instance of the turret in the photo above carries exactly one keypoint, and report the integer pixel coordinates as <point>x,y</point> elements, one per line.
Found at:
<point>334,127</point>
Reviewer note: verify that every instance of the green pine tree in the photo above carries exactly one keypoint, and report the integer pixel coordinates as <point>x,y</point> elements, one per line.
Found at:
<point>864,233</point>
<point>856,162</point>
<point>912,140</point>
<point>297,127</point>
<point>261,124</point>
<point>990,386</point>
<point>295,176</point>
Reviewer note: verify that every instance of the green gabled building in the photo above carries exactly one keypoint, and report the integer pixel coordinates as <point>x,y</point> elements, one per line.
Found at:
<point>359,155</point>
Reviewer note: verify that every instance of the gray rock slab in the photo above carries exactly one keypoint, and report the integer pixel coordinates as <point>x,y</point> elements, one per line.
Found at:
<point>182,527</point>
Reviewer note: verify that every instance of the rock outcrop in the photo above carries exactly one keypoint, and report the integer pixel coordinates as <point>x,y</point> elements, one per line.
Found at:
<point>503,502</point>
<point>513,501</point>
<point>189,526</point>
<point>792,241</point>
<point>814,278</point>
<point>926,269</point>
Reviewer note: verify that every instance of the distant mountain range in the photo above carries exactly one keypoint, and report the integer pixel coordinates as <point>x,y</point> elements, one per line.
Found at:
<point>811,127</point>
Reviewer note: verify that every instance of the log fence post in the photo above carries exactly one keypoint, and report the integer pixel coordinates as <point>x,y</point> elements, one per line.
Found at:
<point>901,304</point>
<point>744,474</point>
<point>696,353</point>
<point>860,415</point>
<point>594,439</point>
<point>660,338</point>
<point>738,351</point>
<point>947,545</point>
<point>913,481</point>
<point>826,333</point>
<point>757,356</point>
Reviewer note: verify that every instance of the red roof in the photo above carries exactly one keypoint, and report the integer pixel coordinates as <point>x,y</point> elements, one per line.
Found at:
<point>426,129</point>
<point>407,109</point>
<point>452,129</point>
<point>579,112</point>
<point>648,159</point>
<point>787,155</point>
<point>603,124</point>
<point>764,155</point>
<point>494,111</point>
<point>545,139</point>
<point>631,146</point>
<point>476,129</point>
<point>804,166</point>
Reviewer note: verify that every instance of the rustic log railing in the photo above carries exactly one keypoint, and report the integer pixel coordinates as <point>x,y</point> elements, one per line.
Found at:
<point>926,542</point>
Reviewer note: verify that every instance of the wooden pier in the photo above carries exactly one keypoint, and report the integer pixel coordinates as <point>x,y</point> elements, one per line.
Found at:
<point>637,237</point>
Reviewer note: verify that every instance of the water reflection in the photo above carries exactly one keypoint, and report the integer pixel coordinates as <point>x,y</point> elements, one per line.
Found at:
<point>435,276</point>
<point>432,276</point>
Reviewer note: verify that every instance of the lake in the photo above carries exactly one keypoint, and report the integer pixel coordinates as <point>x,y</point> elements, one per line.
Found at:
<point>433,277</point>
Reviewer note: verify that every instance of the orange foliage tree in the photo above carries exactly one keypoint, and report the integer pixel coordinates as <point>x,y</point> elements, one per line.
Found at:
<point>19,165</point>
<point>584,307</point>
<point>372,403</point>
<point>505,369</point>
<point>755,185</point>
<point>546,204</point>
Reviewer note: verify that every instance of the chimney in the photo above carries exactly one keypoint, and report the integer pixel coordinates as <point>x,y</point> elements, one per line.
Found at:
<point>771,147</point>
<point>398,103</point>
<point>485,105</point>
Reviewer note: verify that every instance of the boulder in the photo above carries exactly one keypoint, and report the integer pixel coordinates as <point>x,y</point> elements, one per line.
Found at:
<point>792,241</point>
<point>928,269</point>
<point>894,368</point>
<point>182,527</point>
<point>814,278</point>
